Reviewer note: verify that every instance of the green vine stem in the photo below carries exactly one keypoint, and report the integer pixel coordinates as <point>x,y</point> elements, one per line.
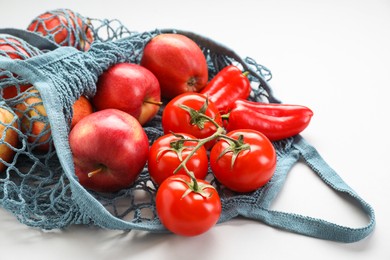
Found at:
<point>237,145</point>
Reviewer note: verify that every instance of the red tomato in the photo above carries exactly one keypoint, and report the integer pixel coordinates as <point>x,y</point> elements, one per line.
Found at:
<point>166,154</point>
<point>178,120</point>
<point>187,214</point>
<point>243,170</point>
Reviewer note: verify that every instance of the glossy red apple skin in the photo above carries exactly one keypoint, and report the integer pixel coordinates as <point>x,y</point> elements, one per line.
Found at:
<point>112,144</point>
<point>178,63</point>
<point>131,88</point>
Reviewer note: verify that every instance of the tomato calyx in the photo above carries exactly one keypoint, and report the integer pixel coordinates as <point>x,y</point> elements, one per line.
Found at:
<point>196,187</point>
<point>177,146</point>
<point>235,147</point>
<point>199,117</point>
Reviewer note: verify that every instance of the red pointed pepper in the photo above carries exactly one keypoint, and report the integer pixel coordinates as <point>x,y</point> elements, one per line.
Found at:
<point>276,121</point>
<point>227,86</point>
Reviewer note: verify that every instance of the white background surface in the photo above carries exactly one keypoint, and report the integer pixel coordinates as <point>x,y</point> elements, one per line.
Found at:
<point>333,56</point>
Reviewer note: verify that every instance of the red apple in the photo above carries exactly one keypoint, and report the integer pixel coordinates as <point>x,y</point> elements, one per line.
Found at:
<point>8,136</point>
<point>110,149</point>
<point>178,63</point>
<point>65,27</point>
<point>131,88</point>
<point>81,108</point>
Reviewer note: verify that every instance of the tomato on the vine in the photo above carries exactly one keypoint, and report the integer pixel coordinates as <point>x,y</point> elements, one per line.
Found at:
<point>185,114</point>
<point>169,150</point>
<point>246,164</point>
<point>185,209</point>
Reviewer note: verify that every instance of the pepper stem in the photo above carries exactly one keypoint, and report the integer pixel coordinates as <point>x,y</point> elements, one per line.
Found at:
<point>225,116</point>
<point>246,73</point>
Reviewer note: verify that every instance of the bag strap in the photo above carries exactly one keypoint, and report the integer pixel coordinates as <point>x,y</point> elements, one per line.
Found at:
<point>315,227</point>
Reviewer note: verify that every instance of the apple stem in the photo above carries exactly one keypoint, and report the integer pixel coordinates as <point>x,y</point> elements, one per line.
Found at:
<point>157,103</point>
<point>92,173</point>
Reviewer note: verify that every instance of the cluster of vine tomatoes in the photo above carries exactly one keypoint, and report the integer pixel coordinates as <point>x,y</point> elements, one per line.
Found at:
<point>194,138</point>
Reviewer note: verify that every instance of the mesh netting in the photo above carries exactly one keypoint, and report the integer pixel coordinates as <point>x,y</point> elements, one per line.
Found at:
<point>39,87</point>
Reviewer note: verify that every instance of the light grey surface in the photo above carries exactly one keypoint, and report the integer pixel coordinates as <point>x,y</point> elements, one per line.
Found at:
<point>332,56</point>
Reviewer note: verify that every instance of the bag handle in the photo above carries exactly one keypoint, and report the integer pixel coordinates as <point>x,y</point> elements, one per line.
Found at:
<point>315,227</point>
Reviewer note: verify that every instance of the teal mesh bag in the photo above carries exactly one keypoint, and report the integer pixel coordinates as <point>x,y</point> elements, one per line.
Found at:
<point>39,186</point>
